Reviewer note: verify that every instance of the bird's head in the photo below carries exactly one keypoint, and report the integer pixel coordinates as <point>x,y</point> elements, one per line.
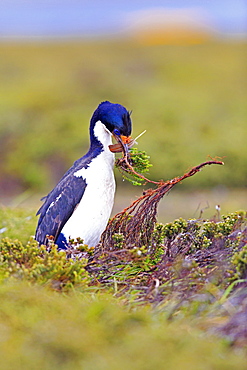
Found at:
<point>116,120</point>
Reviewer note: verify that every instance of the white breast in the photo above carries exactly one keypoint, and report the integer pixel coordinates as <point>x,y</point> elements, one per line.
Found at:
<point>90,217</point>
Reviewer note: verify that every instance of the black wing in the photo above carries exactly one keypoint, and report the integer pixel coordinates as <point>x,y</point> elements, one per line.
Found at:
<point>59,204</point>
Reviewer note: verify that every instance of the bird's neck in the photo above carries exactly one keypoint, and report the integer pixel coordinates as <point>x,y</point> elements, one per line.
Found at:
<point>100,139</point>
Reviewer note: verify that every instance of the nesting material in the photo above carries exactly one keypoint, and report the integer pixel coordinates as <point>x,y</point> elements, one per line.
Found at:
<point>137,222</point>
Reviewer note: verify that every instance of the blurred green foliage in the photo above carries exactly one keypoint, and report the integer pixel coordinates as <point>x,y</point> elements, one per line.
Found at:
<point>44,330</point>
<point>190,99</point>
<point>17,223</point>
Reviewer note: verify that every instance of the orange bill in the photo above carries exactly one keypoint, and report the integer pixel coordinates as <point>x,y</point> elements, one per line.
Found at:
<point>123,145</point>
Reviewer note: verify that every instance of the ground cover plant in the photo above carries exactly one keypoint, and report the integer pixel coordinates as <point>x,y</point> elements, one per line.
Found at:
<point>181,303</point>
<point>184,283</point>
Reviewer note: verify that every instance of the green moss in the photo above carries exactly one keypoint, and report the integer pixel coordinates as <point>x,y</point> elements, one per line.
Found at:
<point>171,229</point>
<point>239,261</point>
<point>32,263</point>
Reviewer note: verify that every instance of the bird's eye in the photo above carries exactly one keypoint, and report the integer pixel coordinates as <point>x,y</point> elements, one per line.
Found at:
<point>116,132</point>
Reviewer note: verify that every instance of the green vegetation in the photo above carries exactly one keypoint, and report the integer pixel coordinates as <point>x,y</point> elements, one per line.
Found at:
<point>190,99</point>
<point>176,303</point>
<point>43,330</point>
<point>167,307</point>
<point>139,161</point>
<point>45,267</point>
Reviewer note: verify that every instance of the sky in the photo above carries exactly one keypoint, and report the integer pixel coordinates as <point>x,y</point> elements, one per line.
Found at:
<point>93,18</point>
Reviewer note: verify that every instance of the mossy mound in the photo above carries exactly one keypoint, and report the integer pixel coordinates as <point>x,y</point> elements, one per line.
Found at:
<point>194,269</point>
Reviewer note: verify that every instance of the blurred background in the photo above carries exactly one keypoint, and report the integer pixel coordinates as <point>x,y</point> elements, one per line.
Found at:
<point>180,66</point>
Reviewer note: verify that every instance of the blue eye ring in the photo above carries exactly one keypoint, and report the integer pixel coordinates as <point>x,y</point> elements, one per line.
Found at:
<point>116,132</point>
